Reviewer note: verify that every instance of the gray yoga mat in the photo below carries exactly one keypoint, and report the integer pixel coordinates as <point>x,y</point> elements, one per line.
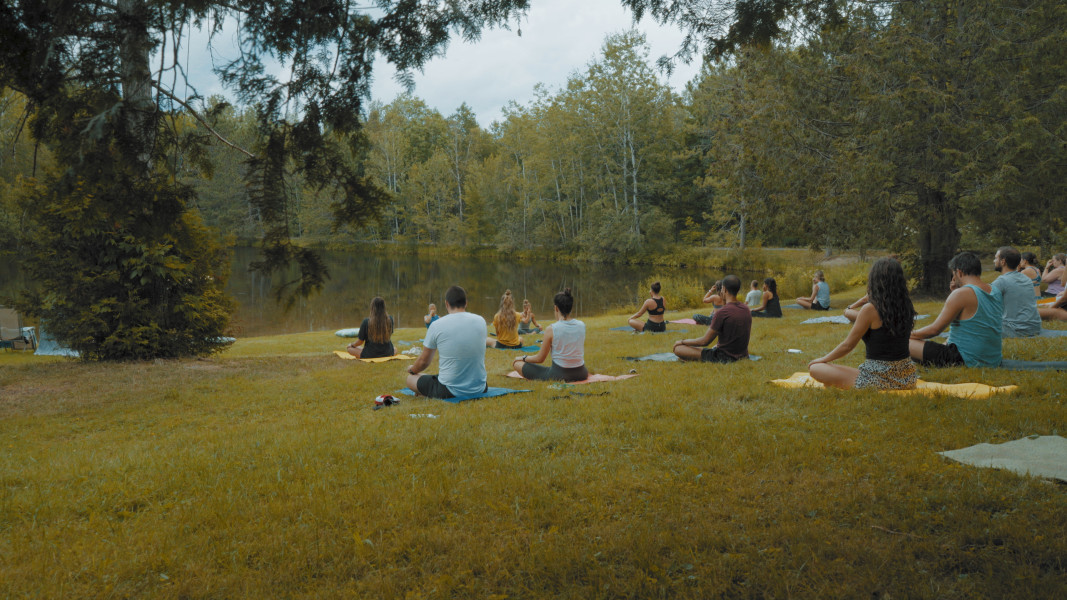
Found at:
<point>1034,365</point>
<point>1040,456</point>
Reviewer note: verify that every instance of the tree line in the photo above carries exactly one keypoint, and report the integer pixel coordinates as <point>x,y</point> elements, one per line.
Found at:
<point>919,127</point>
<point>924,127</point>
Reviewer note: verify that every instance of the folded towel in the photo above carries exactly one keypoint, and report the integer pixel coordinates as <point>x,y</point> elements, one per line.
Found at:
<point>491,392</point>
<point>595,378</point>
<point>352,332</point>
<point>347,356</point>
<point>1042,456</point>
<point>962,390</point>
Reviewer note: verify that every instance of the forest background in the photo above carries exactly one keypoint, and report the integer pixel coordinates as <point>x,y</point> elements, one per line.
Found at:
<point>920,127</point>
<point>924,128</point>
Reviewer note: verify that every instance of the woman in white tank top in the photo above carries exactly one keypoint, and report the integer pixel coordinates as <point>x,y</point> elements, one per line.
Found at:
<point>566,340</point>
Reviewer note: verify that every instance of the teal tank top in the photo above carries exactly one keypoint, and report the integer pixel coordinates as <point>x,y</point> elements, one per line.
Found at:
<point>979,338</point>
<point>822,294</point>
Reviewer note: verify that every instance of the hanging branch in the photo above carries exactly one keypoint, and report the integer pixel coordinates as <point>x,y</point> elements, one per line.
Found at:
<point>203,122</point>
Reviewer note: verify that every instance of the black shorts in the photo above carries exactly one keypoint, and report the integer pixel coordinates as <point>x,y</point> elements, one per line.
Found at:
<point>941,355</point>
<point>500,346</point>
<point>555,372</point>
<point>817,306</point>
<point>430,387</point>
<point>716,355</point>
<point>655,327</point>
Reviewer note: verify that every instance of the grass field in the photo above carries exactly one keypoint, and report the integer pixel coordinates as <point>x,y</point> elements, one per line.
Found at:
<point>264,472</point>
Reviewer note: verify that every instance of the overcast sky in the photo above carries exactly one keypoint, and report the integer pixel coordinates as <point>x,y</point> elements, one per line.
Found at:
<point>559,38</point>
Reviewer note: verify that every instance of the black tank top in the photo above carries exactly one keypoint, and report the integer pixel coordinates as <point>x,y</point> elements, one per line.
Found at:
<point>882,345</point>
<point>659,310</point>
<point>773,308</point>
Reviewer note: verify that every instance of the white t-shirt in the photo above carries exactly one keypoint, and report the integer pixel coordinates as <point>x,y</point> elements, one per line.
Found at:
<point>754,298</point>
<point>459,339</point>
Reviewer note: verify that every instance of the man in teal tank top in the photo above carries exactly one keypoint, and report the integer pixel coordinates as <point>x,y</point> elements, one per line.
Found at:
<point>975,310</point>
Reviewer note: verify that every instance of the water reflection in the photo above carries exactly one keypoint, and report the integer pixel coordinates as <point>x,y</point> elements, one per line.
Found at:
<point>408,285</point>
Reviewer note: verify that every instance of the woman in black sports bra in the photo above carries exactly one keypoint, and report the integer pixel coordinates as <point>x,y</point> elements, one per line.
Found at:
<point>655,309</point>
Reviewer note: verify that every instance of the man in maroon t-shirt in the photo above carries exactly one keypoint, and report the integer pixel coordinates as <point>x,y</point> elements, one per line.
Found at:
<point>731,324</point>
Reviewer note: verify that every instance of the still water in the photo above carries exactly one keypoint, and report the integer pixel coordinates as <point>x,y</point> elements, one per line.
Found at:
<point>409,283</point>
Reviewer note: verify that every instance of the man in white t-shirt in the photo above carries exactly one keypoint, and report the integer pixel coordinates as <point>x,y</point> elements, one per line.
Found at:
<point>460,338</point>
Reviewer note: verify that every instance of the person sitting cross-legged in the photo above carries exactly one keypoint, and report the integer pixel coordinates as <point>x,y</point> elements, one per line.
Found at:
<point>731,324</point>
<point>884,323</point>
<point>1020,318</point>
<point>820,293</point>
<point>975,310</point>
<point>460,338</point>
<point>566,339</point>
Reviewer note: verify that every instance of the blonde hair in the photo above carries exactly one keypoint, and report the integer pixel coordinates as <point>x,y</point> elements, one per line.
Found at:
<point>507,311</point>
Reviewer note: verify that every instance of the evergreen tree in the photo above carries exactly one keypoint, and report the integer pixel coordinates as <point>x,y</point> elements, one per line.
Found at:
<point>85,70</point>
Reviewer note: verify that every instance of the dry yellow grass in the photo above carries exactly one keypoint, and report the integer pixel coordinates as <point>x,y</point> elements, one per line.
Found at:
<point>263,472</point>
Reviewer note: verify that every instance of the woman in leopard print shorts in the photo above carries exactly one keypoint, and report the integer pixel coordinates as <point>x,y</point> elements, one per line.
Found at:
<point>884,324</point>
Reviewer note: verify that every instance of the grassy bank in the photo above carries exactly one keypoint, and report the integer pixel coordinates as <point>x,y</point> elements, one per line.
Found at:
<point>263,472</point>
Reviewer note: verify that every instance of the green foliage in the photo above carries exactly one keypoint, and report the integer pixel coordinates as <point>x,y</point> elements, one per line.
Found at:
<point>123,269</point>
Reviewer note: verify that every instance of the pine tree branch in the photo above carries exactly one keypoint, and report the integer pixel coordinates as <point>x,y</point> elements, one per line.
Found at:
<point>201,119</point>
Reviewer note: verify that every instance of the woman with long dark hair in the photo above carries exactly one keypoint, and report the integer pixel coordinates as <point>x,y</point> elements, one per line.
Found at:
<point>375,333</point>
<point>884,324</point>
<point>566,339</point>
<point>770,305</point>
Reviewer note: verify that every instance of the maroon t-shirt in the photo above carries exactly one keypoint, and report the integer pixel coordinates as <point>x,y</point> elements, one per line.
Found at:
<point>734,324</point>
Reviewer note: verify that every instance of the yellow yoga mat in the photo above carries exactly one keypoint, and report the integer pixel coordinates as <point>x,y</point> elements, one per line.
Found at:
<point>347,356</point>
<point>930,388</point>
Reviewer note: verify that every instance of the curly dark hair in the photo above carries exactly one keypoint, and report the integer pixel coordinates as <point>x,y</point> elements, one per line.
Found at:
<point>888,291</point>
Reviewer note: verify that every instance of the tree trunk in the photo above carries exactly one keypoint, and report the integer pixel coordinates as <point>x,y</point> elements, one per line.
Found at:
<point>139,107</point>
<point>741,230</point>
<point>939,238</point>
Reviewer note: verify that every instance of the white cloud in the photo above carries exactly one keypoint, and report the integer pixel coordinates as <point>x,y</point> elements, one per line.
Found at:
<point>559,38</point>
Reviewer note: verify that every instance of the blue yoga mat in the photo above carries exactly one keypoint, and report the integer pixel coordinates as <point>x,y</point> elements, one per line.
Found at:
<point>1034,365</point>
<point>1054,333</point>
<point>491,392</point>
<point>631,329</point>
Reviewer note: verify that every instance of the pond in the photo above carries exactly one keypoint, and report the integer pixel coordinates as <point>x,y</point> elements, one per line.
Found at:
<point>409,283</point>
